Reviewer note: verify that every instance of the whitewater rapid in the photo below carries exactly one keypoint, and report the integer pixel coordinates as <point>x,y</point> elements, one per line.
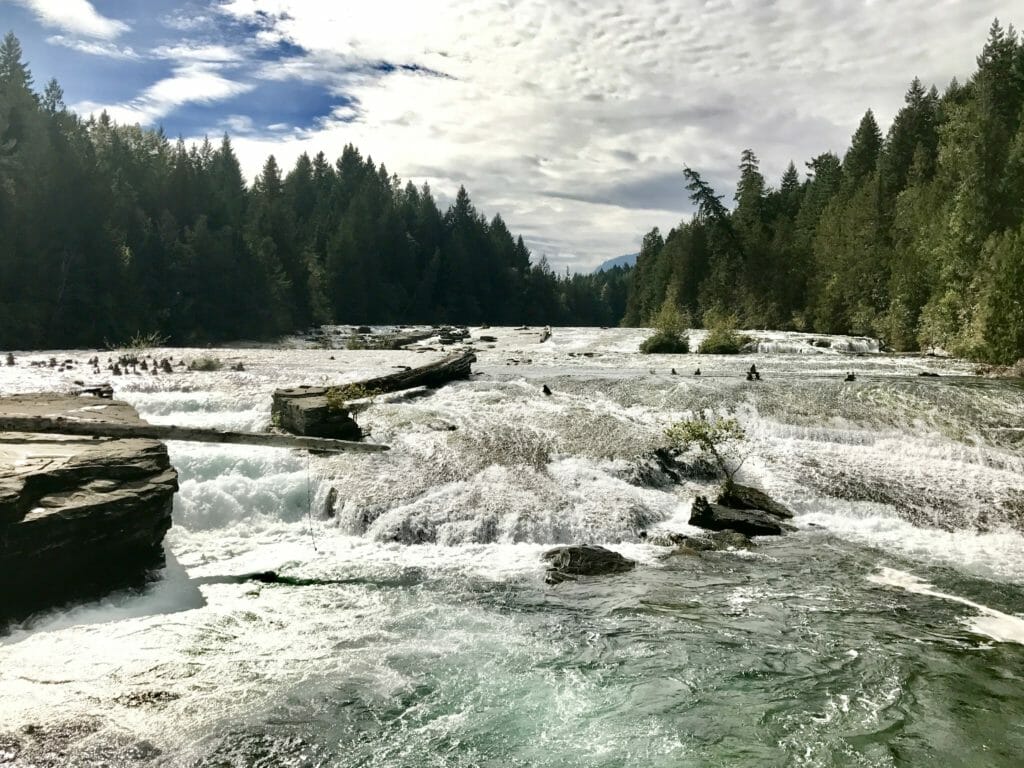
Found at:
<point>428,570</point>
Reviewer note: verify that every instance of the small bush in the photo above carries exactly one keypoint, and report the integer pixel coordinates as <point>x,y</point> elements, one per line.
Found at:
<point>663,343</point>
<point>670,325</point>
<point>719,437</point>
<point>142,341</point>
<point>206,363</point>
<point>722,338</point>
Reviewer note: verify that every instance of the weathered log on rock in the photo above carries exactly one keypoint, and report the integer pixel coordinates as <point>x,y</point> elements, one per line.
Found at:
<point>583,560</point>
<point>78,516</point>
<point>749,522</point>
<point>393,341</point>
<point>744,497</point>
<point>306,411</point>
<point>87,426</point>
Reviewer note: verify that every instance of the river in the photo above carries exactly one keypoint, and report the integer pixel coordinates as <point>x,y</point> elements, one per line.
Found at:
<point>886,631</point>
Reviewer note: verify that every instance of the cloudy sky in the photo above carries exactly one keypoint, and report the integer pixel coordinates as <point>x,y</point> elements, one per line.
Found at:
<point>571,118</point>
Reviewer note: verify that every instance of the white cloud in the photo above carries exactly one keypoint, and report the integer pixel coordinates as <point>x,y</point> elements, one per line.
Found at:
<point>77,17</point>
<point>191,83</point>
<point>93,47</point>
<point>189,51</point>
<point>569,116</point>
<point>186,22</point>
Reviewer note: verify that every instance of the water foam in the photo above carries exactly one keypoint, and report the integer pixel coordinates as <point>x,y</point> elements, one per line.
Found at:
<point>1001,627</point>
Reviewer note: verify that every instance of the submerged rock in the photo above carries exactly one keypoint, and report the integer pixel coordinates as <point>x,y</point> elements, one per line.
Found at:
<point>738,496</point>
<point>750,522</point>
<point>583,560</point>
<point>713,541</point>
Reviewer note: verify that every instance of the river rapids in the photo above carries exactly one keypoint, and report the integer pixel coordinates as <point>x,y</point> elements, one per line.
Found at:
<point>417,629</point>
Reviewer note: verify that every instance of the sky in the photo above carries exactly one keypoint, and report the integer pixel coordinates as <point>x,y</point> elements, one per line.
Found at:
<point>572,118</point>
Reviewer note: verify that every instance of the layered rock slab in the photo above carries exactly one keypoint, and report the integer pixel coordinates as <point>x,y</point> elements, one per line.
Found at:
<point>78,516</point>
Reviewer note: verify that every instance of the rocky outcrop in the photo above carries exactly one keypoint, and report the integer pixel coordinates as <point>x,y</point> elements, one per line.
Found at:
<point>77,515</point>
<point>739,496</point>
<point>566,563</point>
<point>749,522</point>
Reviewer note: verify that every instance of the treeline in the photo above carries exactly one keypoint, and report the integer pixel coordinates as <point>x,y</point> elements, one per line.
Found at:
<point>916,237</point>
<point>108,231</point>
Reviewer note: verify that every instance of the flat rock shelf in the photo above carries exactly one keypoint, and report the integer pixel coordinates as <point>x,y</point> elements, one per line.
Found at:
<point>78,515</point>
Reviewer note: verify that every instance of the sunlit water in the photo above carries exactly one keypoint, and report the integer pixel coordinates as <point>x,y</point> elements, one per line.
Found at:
<point>886,631</point>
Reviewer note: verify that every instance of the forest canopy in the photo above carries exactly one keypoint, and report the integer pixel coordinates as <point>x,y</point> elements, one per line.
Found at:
<point>915,236</point>
<point>111,231</point>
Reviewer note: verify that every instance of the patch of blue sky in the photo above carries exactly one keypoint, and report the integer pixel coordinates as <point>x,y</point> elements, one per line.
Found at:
<point>272,108</point>
<point>83,76</point>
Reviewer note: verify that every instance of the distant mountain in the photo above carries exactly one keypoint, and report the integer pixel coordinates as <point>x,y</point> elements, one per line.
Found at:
<point>620,261</point>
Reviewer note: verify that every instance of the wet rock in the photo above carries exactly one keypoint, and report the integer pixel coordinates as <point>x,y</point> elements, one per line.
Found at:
<point>364,329</point>
<point>330,502</point>
<point>665,467</point>
<point>78,517</point>
<point>750,522</point>
<point>489,338</point>
<point>713,541</point>
<point>729,539</point>
<point>440,425</point>
<point>546,389</point>
<point>739,496</point>
<point>583,560</point>
<point>147,698</point>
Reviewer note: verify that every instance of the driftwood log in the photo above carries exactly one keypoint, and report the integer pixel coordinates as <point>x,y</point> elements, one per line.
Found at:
<point>314,411</point>
<point>99,428</point>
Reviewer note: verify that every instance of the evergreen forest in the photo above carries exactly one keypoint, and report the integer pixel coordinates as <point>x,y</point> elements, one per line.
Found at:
<point>914,236</point>
<point>109,232</point>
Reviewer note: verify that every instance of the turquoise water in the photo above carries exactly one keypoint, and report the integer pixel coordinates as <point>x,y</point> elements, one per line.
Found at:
<point>886,631</point>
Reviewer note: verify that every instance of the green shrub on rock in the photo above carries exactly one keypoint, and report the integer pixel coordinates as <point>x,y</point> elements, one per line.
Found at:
<point>722,338</point>
<point>670,329</point>
<point>662,343</point>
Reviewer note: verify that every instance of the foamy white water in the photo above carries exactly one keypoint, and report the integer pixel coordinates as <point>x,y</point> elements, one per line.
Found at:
<point>421,632</point>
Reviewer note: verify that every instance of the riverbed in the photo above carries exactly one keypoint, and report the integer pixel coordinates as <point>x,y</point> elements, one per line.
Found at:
<point>886,631</point>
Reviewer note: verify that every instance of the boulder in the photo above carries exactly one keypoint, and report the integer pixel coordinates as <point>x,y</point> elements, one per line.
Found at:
<point>583,560</point>
<point>749,522</point>
<point>713,541</point>
<point>738,496</point>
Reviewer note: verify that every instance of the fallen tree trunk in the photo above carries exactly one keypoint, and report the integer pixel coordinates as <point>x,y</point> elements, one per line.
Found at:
<point>98,428</point>
<point>322,412</point>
